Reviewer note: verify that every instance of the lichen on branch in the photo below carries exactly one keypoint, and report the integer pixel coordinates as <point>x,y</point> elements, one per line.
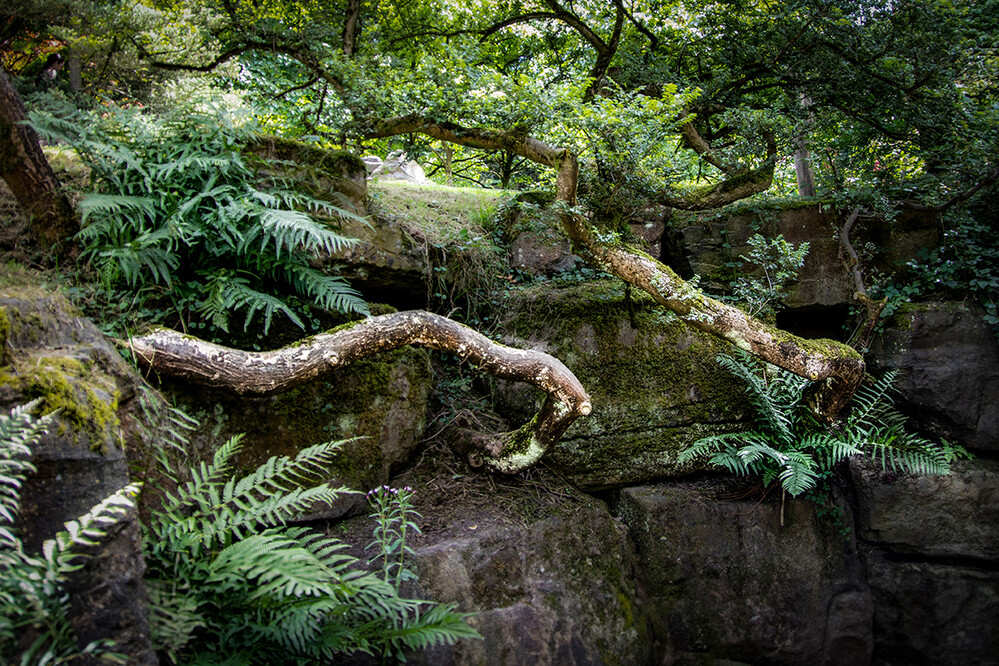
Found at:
<point>188,358</point>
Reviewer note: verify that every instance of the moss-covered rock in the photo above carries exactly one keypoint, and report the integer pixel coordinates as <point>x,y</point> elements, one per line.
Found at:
<point>378,404</point>
<point>53,354</point>
<point>337,176</point>
<point>654,382</point>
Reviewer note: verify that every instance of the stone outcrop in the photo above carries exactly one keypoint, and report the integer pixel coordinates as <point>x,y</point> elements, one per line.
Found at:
<point>52,353</point>
<point>930,546</point>
<point>385,263</point>
<point>947,358</point>
<point>378,404</point>
<point>558,591</point>
<point>398,166</point>
<point>654,383</point>
<point>724,579</point>
<point>714,240</point>
<point>336,176</point>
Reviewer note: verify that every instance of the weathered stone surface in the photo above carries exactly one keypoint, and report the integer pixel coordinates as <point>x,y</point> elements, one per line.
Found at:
<point>398,166</point>
<point>948,363</point>
<point>715,239</point>
<point>933,613</point>
<point>386,263</point>
<point>51,352</point>
<point>655,386</point>
<point>379,403</point>
<point>941,516</point>
<point>725,580</point>
<point>541,252</point>
<point>558,591</point>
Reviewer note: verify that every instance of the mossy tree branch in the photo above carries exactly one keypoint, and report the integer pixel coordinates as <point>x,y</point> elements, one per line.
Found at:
<point>839,367</point>
<point>184,357</point>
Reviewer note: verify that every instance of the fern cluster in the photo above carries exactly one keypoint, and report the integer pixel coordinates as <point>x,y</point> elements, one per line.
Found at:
<point>180,218</point>
<point>34,628</point>
<point>231,582</point>
<point>788,445</point>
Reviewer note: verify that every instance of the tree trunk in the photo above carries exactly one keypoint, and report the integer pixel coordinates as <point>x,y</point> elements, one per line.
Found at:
<point>802,158</point>
<point>803,169</point>
<point>75,71</point>
<point>170,353</point>
<point>24,168</point>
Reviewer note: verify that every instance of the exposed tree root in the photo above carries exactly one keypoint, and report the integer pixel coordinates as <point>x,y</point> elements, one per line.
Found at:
<point>184,357</point>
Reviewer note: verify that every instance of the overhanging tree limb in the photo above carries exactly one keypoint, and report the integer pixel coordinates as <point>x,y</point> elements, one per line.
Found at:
<point>840,368</point>
<point>173,354</point>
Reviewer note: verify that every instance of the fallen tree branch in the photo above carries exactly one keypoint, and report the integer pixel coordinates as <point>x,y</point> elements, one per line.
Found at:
<point>184,357</point>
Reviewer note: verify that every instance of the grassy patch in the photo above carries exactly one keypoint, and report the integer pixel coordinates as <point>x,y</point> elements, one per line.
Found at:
<point>438,211</point>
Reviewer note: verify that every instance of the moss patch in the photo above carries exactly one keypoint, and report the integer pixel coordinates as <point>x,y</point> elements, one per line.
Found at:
<point>653,381</point>
<point>334,162</point>
<point>86,399</point>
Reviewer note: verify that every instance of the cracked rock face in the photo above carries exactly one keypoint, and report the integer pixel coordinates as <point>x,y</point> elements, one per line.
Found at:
<point>725,580</point>
<point>947,358</point>
<point>555,592</point>
<point>930,545</point>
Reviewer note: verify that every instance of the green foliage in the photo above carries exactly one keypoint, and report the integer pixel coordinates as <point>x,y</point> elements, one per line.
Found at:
<point>33,603</point>
<point>788,446</point>
<point>965,264</point>
<point>394,523</point>
<point>181,220</point>
<point>231,582</point>
<point>777,263</point>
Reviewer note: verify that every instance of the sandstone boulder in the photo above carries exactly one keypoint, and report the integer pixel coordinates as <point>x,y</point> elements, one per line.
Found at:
<point>398,166</point>
<point>726,580</point>
<point>947,358</point>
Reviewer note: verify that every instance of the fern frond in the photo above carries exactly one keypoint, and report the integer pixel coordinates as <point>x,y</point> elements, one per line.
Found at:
<point>869,401</point>
<point>438,625</point>
<point>174,615</point>
<point>902,452</point>
<point>19,431</point>
<point>799,473</point>
<point>289,230</point>
<point>113,206</point>
<point>275,564</point>
<point>63,550</point>
<point>329,292</point>
<point>282,473</point>
<point>771,415</point>
<point>229,292</point>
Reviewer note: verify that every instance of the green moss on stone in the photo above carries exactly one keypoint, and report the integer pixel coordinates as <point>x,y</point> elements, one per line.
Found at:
<point>74,388</point>
<point>333,162</point>
<point>5,330</point>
